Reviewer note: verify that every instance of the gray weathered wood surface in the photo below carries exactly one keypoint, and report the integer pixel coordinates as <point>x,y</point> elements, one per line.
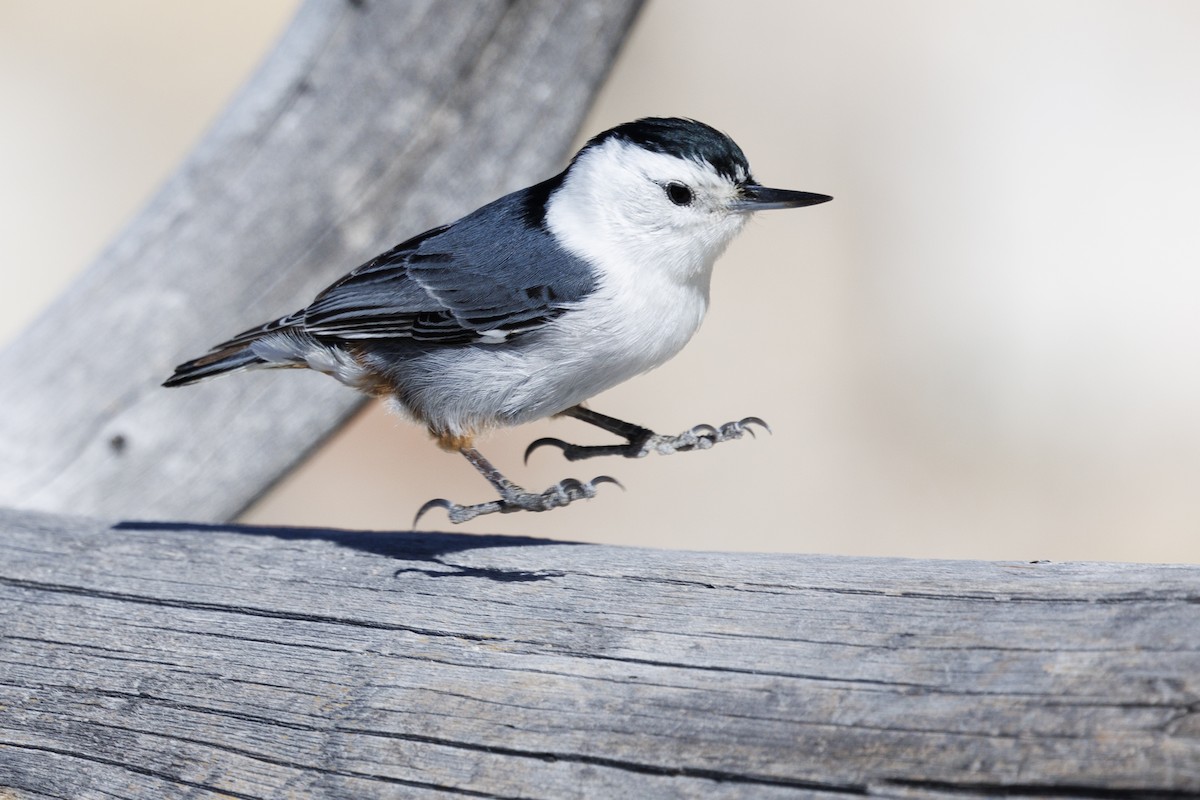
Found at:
<point>151,660</point>
<point>368,123</point>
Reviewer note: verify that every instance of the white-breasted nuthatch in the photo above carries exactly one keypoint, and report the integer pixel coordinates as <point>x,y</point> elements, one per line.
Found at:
<point>533,303</point>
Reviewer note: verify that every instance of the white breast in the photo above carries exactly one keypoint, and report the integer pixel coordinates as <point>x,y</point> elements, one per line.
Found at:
<point>620,331</point>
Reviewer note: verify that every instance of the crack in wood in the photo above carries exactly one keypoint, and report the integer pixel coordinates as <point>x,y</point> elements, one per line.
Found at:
<point>744,671</point>
<point>277,762</point>
<point>1020,789</point>
<point>250,611</point>
<point>146,771</point>
<point>1009,596</point>
<point>305,645</point>
<point>720,776</point>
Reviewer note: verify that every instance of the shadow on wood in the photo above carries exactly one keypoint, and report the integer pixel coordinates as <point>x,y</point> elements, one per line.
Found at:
<point>275,662</point>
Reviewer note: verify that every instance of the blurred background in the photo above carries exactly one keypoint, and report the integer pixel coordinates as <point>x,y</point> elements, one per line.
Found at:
<point>988,346</point>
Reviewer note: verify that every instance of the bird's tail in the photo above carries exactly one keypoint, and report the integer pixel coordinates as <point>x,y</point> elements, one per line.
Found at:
<point>236,354</point>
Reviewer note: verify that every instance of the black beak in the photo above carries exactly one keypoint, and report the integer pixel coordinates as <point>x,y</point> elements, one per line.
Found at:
<point>760,198</point>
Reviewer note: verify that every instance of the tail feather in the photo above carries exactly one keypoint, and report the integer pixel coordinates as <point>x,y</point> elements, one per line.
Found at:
<point>215,363</point>
<point>231,356</point>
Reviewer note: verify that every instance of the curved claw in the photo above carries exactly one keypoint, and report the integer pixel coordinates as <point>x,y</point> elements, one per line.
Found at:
<point>704,429</point>
<point>607,479</point>
<point>432,504</point>
<point>587,488</point>
<point>544,441</point>
<point>745,421</point>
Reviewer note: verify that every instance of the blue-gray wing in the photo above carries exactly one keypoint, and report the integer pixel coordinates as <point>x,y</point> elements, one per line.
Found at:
<point>492,275</point>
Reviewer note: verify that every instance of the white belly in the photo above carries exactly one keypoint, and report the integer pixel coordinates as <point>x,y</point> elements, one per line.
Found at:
<point>614,336</point>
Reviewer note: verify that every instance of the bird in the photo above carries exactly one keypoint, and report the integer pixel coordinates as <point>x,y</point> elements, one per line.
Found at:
<point>535,302</point>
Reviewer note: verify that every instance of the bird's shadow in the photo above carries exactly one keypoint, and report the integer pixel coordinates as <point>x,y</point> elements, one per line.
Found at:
<point>429,547</point>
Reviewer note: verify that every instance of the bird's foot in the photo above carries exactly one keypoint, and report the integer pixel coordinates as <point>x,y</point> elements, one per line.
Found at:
<point>514,498</point>
<point>701,437</point>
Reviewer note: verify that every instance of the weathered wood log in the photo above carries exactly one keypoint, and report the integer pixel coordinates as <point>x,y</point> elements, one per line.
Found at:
<point>163,659</point>
<point>368,123</point>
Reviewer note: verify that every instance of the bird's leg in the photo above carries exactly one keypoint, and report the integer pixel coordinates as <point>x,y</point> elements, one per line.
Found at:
<point>641,441</point>
<point>513,497</point>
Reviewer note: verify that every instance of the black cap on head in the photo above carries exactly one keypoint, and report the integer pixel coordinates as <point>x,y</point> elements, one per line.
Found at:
<point>685,138</point>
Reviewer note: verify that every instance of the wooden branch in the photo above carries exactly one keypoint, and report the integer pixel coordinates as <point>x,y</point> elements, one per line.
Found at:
<point>369,122</point>
<point>162,659</point>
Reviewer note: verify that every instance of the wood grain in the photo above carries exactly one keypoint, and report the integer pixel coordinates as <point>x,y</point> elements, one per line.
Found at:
<point>368,123</point>
<point>167,659</point>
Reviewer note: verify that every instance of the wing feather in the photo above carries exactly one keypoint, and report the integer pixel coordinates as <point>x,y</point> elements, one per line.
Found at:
<point>496,269</point>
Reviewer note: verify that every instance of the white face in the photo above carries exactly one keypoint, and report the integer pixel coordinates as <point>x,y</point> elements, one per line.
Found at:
<point>648,210</point>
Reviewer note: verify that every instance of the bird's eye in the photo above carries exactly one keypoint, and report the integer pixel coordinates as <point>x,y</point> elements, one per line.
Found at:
<point>679,194</point>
